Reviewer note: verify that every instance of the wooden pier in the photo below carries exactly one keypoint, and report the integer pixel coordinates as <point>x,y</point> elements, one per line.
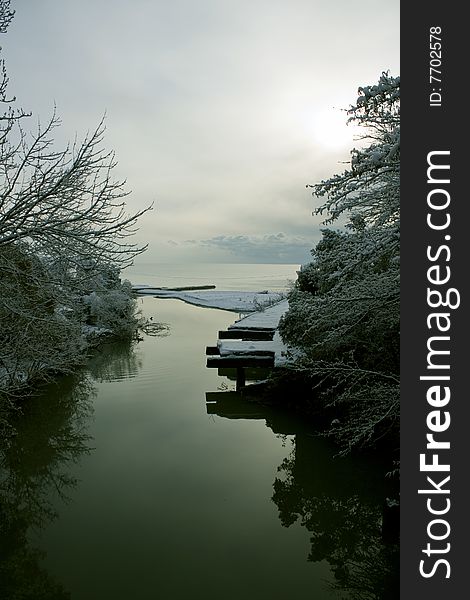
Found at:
<point>250,343</point>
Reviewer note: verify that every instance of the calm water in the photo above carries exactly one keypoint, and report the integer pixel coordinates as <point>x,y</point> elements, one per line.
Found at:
<point>120,485</point>
<point>223,276</point>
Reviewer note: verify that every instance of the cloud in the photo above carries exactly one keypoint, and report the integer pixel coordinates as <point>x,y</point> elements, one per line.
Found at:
<point>219,112</point>
<point>267,248</point>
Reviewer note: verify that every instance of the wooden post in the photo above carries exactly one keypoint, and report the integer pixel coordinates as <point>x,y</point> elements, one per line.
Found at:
<point>240,377</point>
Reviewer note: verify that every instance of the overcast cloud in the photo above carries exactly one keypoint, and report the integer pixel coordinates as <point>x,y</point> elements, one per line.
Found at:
<point>219,111</point>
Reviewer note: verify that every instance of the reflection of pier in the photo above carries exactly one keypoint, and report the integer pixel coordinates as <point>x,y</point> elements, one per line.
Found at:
<point>340,501</point>
<point>232,405</point>
<point>315,466</point>
<point>250,343</point>
<point>343,503</point>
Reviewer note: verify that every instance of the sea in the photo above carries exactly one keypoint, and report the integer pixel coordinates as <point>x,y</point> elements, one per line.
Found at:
<point>240,277</point>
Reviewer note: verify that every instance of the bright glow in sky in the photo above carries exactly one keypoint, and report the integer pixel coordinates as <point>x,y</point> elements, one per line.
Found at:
<point>327,127</point>
<point>220,111</point>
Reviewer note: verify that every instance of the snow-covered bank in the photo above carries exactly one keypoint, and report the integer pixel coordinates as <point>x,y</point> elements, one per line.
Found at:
<point>225,300</point>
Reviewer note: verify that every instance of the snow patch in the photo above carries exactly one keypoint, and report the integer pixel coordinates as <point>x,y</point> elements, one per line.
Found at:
<point>265,319</point>
<point>226,300</point>
<point>275,347</point>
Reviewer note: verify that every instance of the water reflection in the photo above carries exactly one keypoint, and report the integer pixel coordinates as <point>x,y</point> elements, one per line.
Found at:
<point>152,452</point>
<point>342,508</point>
<point>115,361</point>
<point>48,436</point>
<point>339,501</point>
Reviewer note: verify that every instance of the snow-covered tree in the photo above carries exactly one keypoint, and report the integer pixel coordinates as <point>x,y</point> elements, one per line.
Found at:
<point>6,15</point>
<point>64,203</point>
<point>64,236</point>
<point>344,310</point>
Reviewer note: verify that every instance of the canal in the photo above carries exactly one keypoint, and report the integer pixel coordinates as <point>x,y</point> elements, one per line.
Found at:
<point>120,485</point>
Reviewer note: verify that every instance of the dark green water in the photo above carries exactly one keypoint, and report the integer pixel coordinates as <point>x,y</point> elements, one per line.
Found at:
<point>120,485</point>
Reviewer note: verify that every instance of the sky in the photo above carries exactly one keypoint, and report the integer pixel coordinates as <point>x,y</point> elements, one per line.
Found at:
<point>219,111</point>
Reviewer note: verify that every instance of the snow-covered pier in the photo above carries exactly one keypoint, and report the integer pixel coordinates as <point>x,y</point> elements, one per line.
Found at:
<point>251,342</point>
